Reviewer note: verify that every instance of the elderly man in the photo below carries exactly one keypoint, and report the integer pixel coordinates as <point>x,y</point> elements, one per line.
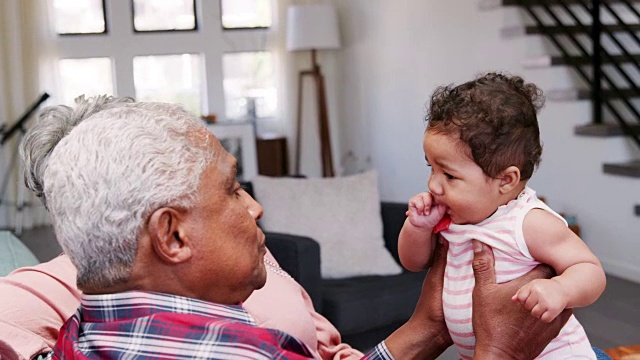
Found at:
<point>144,201</point>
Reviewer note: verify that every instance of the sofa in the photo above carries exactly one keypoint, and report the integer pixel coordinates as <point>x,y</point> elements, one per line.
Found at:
<point>365,309</point>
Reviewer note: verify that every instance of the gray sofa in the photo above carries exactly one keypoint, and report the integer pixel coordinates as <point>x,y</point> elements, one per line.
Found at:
<point>364,309</point>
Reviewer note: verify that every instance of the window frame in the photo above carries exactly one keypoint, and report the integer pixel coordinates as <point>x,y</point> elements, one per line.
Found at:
<point>104,17</point>
<point>257,118</point>
<point>211,41</point>
<point>249,28</point>
<point>133,21</point>
<point>58,70</point>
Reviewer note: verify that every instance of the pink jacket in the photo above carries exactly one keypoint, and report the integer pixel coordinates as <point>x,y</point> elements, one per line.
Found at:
<point>36,301</point>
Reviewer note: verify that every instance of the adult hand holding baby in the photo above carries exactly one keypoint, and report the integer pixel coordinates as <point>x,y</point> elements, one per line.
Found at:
<point>510,337</point>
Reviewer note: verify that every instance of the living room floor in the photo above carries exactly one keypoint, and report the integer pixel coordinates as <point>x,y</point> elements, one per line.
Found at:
<point>614,320</point>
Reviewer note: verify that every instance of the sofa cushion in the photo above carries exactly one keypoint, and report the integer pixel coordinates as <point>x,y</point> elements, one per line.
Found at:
<point>342,214</point>
<point>363,303</point>
<point>13,253</point>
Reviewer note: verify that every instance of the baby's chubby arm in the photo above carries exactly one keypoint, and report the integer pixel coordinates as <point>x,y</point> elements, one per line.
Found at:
<point>581,279</point>
<point>415,245</point>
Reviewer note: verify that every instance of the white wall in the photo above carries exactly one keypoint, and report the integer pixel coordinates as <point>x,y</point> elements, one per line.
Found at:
<point>396,52</point>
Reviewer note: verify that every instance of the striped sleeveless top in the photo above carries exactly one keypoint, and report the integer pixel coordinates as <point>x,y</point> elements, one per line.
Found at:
<point>503,232</point>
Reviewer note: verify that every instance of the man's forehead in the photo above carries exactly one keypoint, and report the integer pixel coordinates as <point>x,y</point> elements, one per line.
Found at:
<point>226,163</point>
<point>231,170</point>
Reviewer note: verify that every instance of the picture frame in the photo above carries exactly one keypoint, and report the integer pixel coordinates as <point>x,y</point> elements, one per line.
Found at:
<point>239,139</point>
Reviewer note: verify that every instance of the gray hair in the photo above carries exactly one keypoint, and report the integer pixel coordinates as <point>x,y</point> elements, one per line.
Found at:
<point>57,122</point>
<point>103,167</point>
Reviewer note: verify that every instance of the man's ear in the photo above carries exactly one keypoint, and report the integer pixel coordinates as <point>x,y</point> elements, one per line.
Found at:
<point>167,236</point>
<point>509,179</point>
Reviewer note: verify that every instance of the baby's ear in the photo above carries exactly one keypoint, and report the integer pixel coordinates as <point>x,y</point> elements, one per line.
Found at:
<point>509,179</point>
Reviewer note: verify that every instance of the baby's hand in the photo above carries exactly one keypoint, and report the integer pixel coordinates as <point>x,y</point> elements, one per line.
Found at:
<point>423,213</point>
<point>543,297</point>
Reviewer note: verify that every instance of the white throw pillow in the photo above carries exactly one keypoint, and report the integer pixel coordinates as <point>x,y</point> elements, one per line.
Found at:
<point>342,214</point>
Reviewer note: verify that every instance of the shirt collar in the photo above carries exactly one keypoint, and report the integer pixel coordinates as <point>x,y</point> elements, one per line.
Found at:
<point>134,304</point>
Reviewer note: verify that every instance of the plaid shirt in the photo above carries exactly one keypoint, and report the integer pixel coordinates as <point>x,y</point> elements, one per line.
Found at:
<point>143,325</point>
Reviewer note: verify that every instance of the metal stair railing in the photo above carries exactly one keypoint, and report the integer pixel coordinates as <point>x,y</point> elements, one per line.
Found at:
<point>596,62</point>
<point>596,31</point>
<point>597,51</point>
<point>595,82</point>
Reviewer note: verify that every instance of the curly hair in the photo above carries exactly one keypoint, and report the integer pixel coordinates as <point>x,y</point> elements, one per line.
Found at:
<point>495,115</point>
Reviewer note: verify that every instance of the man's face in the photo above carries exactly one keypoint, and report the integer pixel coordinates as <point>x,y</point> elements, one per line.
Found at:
<point>229,246</point>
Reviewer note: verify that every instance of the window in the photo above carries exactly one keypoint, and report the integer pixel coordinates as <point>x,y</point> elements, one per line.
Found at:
<point>195,68</point>
<point>169,78</point>
<point>88,77</point>
<point>161,15</point>
<point>239,14</point>
<point>249,86</point>
<point>79,17</point>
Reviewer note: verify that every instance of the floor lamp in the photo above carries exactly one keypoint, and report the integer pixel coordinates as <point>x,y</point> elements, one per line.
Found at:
<point>313,27</point>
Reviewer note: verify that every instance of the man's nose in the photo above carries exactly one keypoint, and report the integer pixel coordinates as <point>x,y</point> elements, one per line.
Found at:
<point>255,209</point>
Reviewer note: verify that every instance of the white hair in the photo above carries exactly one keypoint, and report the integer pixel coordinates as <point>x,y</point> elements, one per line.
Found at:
<point>54,123</point>
<point>104,178</point>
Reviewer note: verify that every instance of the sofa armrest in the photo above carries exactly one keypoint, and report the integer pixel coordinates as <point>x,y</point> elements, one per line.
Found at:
<point>393,216</point>
<point>300,257</point>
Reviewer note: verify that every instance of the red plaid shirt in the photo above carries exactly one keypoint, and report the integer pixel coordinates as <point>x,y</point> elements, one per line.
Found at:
<point>143,325</point>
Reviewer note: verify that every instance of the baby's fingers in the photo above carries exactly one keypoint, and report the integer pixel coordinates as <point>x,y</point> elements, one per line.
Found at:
<point>549,315</point>
<point>526,297</point>
<point>439,210</point>
<point>522,295</point>
<point>418,205</point>
<point>412,211</point>
<point>538,311</point>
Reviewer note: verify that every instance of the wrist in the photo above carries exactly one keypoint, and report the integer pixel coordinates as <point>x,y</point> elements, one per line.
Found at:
<point>564,292</point>
<point>434,333</point>
<point>421,229</point>
<point>493,353</point>
<point>441,341</point>
<point>419,340</point>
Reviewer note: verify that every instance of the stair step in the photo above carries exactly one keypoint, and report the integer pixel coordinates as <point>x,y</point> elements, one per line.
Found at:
<point>630,168</point>
<point>585,94</point>
<point>548,60</point>
<point>519,30</point>
<point>604,130</point>
<point>492,4</point>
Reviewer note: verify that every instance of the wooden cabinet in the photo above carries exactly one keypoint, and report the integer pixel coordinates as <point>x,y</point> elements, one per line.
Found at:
<point>272,156</point>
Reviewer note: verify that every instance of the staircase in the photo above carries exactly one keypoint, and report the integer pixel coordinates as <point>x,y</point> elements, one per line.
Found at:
<point>611,73</point>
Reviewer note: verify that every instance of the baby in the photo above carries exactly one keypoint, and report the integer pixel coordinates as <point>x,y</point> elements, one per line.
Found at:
<point>482,143</point>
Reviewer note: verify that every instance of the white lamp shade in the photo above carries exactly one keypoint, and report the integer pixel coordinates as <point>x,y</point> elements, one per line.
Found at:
<point>312,26</point>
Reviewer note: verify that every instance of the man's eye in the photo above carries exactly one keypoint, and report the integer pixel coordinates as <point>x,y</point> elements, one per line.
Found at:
<point>237,190</point>
<point>238,193</point>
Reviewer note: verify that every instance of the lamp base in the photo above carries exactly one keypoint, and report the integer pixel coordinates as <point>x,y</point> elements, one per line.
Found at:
<point>323,118</point>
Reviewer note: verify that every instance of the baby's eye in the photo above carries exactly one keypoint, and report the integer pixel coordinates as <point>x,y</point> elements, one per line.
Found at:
<point>449,176</point>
